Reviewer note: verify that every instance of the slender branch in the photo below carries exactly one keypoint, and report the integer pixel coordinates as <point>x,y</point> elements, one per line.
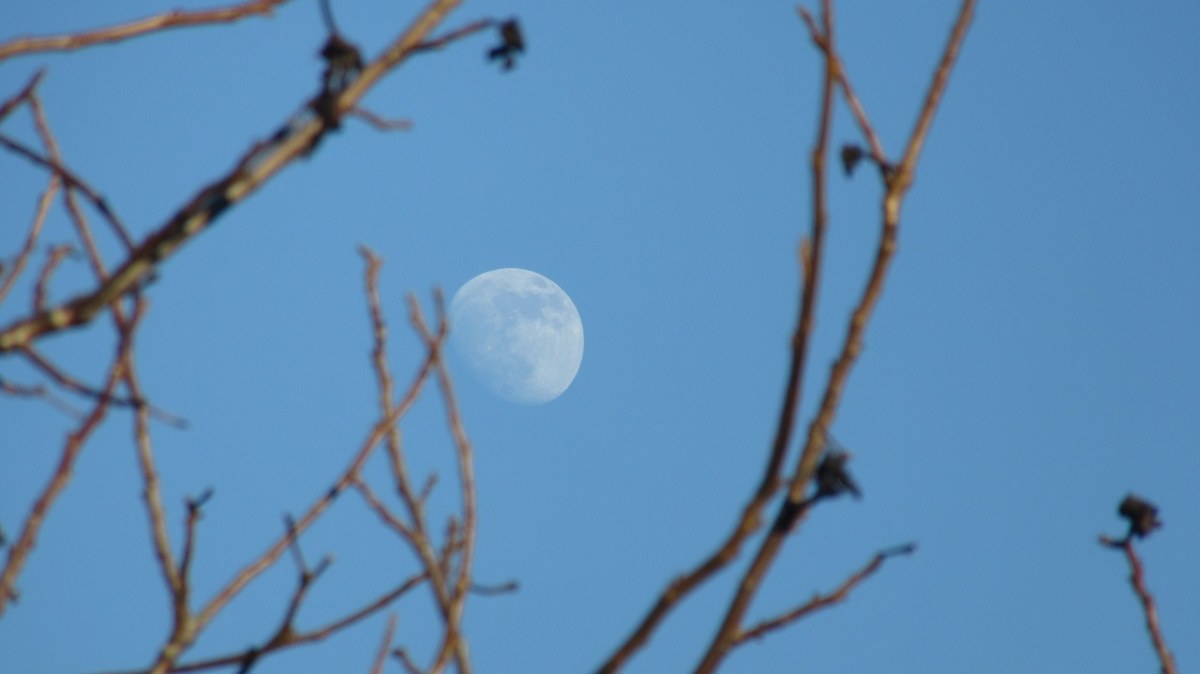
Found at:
<point>820,601</point>
<point>152,495</point>
<point>385,644</point>
<point>839,67</point>
<point>72,181</point>
<point>29,95</point>
<point>1137,578</point>
<point>72,384</point>
<point>298,638</point>
<point>1143,519</point>
<point>19,551</point>
<point>22,96</point>
<point>454,641</point>
<point>294,140</point>
<point>40,391</point>
<point>415,534</point>
<point>54,257</point>
<point>125,31</point>
<point>794,507</point>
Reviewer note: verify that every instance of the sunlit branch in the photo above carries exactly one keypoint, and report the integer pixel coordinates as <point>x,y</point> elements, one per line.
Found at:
<point>125,31</point>
<point>416,532</point>
<point>897,183</point>
<point>295,139</point>
<point>454,641</point>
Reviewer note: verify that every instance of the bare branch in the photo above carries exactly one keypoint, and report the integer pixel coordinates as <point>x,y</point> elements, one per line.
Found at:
<point>795,506</point>
<point>384,645</point>
<point>72,181</point>
<point>293,140</point>
<point>1143,518</point>
<point>18,552</point>
<point>823,601</point>
<point>150,24</point>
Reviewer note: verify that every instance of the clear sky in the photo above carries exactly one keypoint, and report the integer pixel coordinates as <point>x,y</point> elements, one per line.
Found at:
<point>1035,356</point>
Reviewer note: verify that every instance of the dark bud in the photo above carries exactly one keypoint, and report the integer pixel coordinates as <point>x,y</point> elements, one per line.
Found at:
<point>340,54</point>
<point>832,477</point>
<point>1142,516</point>
<point>851,155</point>
<point>343,63</point>
<point>511,44</point>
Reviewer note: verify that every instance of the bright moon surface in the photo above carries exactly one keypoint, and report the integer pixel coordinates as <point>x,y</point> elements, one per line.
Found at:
<point>519,333</point>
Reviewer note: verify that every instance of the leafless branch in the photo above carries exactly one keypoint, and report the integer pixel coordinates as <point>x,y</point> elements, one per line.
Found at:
<point>295,139</point>
<point>384,645</point>
<point>150,24</point>
<point>1143,519</point>
<point>823,601</point>
<point>19,551</point>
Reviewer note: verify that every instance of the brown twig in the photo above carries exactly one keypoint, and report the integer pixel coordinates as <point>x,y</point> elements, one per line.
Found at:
<point>897,182</point>
<point>73,384</point>
<point>381,123</point>
<point>1137,578</point>
<point>298,638</point>
<point>454,642</point>
<point>40,391</point>
<point>294,140</point>
<point>125,31</point>
<point>28,94</point>
<point>834,61</point>
<point>416,532</point>
<point>70,178</point>
<point>821,601</point>
<point>19,551</point>
<point>54,257</point>
<point>385,645</point>
<point>1143,519</point>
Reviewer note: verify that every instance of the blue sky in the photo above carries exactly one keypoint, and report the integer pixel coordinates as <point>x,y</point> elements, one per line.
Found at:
<point>1034,357</point>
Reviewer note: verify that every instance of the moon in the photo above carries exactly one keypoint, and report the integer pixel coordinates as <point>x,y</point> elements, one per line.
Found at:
<point>518,333</point>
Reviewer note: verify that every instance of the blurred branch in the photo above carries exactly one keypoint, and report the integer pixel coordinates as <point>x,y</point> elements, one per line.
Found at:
<point>18,552</point>
<point>295,139</point>
<point>1143,518</point>
<point>151,24</point>
<point>385,645</point>
<point>461,543</point>
<point>296,638</point>
<point>416,531</point>
<point>823,601</point>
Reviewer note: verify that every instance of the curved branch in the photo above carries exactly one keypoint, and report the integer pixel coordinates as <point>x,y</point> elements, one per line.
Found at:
<point>295,139</point>
<point>151,24</point>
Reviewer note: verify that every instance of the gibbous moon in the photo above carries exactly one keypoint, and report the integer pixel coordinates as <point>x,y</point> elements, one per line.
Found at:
<point>519,333</point>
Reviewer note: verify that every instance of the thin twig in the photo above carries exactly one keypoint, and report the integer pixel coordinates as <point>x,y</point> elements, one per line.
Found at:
<point>18,552</point>
<point>40,391</point>
<point>72,384</point>
<point>54,257</point>
<point>839,67</point>
<point>821,601</point>
<point>72,181</point>
<point>151,24</point>
<point>385,644</point>
<point>294,140</point>
<point>1137,578</point>
<point>454,642</point>
<point>298,638</point>
<point>22,96</point>
<point>897,182</point>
